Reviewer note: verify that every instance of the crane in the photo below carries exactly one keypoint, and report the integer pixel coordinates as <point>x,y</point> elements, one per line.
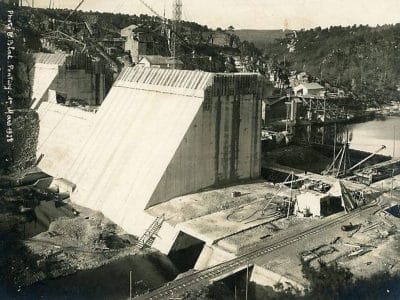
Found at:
<point>173,35</point>
<point>153,11</point>
<point>164,22</point>
<point>60,35</point>
<point>70,14</point>
<point>367,158</point>
<point>342,157</point>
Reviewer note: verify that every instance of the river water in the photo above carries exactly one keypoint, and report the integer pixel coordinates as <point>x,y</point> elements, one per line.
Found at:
<point>108,282</point>
<point>369,136</point>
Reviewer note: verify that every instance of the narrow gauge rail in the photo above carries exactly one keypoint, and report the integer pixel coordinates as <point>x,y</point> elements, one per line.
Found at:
<point>203,277</point>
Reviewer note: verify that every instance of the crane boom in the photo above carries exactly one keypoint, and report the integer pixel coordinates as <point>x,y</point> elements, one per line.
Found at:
<point>152,10</point>
<point>71,13</point>
<point>172,28</point>
<point>367,158</point>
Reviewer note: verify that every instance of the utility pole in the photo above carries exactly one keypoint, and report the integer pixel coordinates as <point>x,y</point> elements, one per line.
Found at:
<point>176,18</point>
<point>130,285</point>
<point>391,190</point>
<point>334,143</point>
<point>235,289</point>
<point>346,152</point>
<point>291,194</point>
<point>247,281</point>
<point>394,141</point>
<point>288,109</point>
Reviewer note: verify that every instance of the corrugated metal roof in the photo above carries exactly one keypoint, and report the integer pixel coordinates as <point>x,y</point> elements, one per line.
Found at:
<point>50,58</point>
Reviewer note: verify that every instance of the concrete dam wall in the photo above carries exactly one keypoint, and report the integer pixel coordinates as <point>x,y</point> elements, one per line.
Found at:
<point>44,73</point>
<point>160,134</point>
<point>63,131</point>
<point>63,76</point>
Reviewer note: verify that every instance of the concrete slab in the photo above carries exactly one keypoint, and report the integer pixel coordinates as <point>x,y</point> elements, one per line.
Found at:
<point>216,226</point>
<point>214,215</point>
<point>196,205</point>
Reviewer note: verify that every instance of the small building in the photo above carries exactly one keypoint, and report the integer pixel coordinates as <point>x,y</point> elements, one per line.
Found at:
<point>160,62</point>
<point>317,204</point>
<point>239,65</point>
<point>138,41</point>
<point>312,203</point>
<point>127,31</point>
<point>309,89</point>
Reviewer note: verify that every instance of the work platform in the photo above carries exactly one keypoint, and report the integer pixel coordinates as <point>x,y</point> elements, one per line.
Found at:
<point>213,215</point>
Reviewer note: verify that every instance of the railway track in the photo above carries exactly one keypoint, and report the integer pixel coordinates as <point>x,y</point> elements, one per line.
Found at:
<point>203,277</point>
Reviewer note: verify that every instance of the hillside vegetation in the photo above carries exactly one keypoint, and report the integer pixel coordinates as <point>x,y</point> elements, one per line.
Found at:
<point>193,42</point>
<point>260,38</point>
<point>361,59</point>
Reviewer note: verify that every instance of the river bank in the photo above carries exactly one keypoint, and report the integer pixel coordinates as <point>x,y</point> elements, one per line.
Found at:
<point>47,243</point>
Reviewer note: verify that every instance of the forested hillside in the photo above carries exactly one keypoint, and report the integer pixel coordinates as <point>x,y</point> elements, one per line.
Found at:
<point>361,59</point>
<point>260,37</point>
<point>194,46</point>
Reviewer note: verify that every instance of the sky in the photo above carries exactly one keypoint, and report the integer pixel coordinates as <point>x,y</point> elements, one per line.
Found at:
<point>256,14</point>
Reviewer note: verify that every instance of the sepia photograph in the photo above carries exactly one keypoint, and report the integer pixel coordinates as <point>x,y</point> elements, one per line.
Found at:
<point>199,149</point>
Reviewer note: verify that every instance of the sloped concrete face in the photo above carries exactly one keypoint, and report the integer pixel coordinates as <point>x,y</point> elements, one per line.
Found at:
<point>44,73</point>
<point>43,77</point>
<point>159,134</point>
<point>63,131</point>
<point>134,138</point>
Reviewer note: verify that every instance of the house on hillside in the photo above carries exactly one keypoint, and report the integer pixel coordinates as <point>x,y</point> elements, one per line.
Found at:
<point>309,89</point>
<point>138,41</point>
<point>160,62</point>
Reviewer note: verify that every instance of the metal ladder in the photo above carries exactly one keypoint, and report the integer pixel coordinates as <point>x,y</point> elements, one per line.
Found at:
<point>148,238</point>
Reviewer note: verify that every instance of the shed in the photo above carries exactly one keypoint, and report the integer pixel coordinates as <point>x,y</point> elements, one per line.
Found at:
<point>319,204</point>
<point>311,89</point>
